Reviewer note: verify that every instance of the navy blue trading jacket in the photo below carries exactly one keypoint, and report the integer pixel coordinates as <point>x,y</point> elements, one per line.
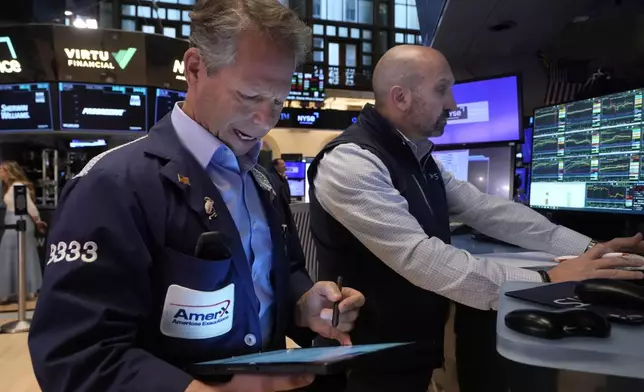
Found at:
<point>125,304</point>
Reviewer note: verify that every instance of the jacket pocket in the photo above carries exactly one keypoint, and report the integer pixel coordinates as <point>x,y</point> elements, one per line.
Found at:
<point>188,271</point>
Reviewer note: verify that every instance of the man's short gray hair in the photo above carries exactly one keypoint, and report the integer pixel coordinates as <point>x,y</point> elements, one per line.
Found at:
<point>216,24</point>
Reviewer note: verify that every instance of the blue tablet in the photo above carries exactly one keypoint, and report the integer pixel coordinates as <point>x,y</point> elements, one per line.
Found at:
<point>316,360</point>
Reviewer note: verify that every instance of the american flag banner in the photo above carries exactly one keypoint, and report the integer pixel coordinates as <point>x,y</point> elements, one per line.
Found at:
<point>565,79</point>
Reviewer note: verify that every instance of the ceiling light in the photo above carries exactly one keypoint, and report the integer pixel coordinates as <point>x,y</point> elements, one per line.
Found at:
<point>79,23</point>
<point>68,13</point>
<point>91,24</point>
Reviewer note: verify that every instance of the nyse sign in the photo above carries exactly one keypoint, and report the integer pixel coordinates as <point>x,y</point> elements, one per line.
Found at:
<point>317,119</point>
<point>179,70</point>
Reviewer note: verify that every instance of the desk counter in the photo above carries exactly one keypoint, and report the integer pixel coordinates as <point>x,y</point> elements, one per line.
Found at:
<point>620,356</point>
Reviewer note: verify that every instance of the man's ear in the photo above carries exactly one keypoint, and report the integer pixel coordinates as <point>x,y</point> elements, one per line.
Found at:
<point>193,65</point>
<point>401,97</point>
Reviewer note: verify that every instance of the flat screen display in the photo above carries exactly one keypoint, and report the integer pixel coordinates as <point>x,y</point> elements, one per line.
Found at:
<point>522,182</point>
<point>489,169</point>
<point>25,106</point>
<point>296,187</point>
<point>487,111</point>
<point>165,100</point>
<point>295,170</point>
<point>317,119</point>
<point>308,85</point>
<point>587,155</point>
<point>99,107</point>
<point>526,147</point>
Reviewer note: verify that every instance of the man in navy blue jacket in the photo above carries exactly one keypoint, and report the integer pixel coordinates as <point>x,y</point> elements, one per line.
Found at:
<point>127,301</point>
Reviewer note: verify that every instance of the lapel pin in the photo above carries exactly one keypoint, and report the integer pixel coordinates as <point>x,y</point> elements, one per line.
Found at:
<point>209,206</point>
<point>183,180</point>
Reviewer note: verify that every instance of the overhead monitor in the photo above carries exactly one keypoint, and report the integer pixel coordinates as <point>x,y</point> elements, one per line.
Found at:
<point>308,85</point>
<point>486,111</point>
<point>587,155</point>
<point>489,169</point>
<point>165,100</point>
<point>25,107</point>
<point>317,119</point>
<point>99,107</point>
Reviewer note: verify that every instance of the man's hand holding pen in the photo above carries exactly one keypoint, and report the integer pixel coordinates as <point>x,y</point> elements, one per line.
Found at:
<point>316,307</point>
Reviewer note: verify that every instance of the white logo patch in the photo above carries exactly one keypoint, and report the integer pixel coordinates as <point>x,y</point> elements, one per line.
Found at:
<point>193,314</point>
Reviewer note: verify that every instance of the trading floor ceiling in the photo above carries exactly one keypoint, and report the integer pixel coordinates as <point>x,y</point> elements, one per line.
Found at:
<point>470,29</point>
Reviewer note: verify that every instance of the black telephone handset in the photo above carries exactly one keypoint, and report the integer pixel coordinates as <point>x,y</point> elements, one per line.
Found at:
<point>212,246</point>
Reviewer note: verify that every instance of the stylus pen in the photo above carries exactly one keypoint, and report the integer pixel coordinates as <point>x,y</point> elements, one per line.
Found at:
<point>336,306</point>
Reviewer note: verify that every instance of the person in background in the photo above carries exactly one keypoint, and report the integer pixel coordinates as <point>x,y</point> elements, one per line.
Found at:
<point>380,211</point>
<point>279,172</point>
<point>127,286</point>
<point>11,175</point>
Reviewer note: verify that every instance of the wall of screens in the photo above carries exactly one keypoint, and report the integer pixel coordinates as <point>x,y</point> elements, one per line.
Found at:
<point>62,78</point>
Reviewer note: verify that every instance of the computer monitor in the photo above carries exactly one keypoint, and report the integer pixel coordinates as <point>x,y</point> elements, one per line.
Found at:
<point>526,147</point>
<point>165,100</point>
<point>295,170</point>
<point>102,107</point>
<point>487,111</point>
<point>524,180</point>
<point>25,107</point>
<point>587,155</point>
<point>296,186</point>
<point>489,169</point>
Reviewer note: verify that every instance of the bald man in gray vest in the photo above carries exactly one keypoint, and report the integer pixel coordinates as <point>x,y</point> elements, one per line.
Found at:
<point>380,210</point>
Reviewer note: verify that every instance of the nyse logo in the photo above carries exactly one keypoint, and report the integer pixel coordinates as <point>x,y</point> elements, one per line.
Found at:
<point>460,113</point>
<point>13,65</point>
<point>308,119</point>
<point>179,69</point>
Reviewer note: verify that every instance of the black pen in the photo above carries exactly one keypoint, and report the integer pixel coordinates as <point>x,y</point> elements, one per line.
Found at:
<point>336,306</point>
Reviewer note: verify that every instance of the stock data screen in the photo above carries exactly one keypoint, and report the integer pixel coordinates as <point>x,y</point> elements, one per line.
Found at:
<point>587,155</point>
<point>25,106</point>
<point>308,85</point>
<point>97,107</point>
<point>165,101</point>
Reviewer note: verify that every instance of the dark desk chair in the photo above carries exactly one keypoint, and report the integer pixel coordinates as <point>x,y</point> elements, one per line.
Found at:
<point>303,222</point>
